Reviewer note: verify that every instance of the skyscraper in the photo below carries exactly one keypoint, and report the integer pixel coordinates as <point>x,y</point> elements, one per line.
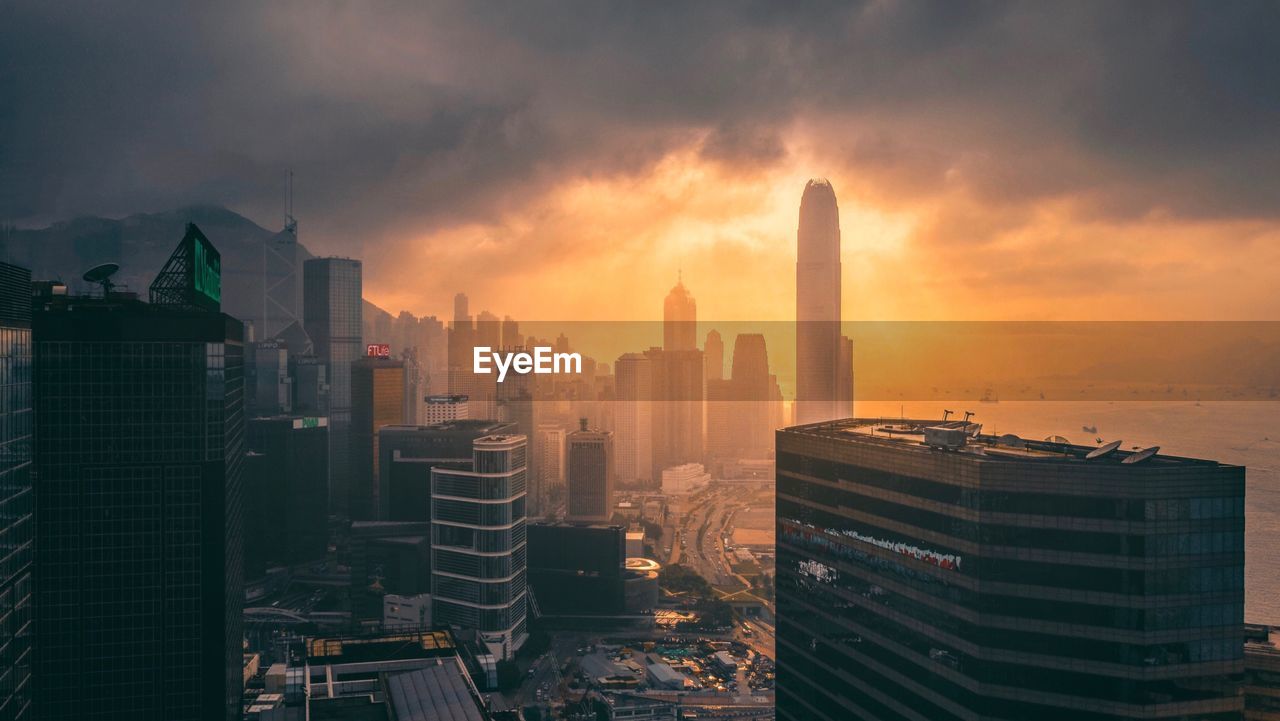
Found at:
<point>478,544</point>
<point>589,477</point>
<point>332,307</point>
<point>927,572</point>
<point>408,453</point>
<point>822,371</point>
<point>549,447</point>
<point>713,351</point>
<point>679,319</point>
<point>139,449</point>
<point>678,392</point>
<point>377,400</point>
<point>633,443</point>
<point>287,508</point>
<point>17,501</point>
<point>753,392</point>
<point>740,410</point>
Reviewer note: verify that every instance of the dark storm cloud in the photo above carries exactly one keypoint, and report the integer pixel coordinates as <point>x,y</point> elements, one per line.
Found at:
<point>409,116</point>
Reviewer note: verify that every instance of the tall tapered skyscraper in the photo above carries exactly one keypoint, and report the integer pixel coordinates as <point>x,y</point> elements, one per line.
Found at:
<point>823,372</point>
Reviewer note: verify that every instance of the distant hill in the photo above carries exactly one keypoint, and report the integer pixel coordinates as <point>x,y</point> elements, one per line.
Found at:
<point>142,243</point>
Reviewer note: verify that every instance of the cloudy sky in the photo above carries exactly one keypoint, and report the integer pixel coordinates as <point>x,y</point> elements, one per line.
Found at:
<point>565,160</point>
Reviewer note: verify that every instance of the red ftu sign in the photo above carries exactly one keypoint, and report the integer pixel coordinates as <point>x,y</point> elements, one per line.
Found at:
<point>378,350</point>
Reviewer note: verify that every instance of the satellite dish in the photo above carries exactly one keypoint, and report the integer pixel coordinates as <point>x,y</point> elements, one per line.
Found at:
<point>1142,455</point>
<point>101,274</point>
<point>1011,440</point>
<point>1101,451</point>
<point>1058,439</point>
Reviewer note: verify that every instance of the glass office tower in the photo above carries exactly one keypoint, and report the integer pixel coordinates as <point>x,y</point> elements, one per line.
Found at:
<point>17,502</point>
<point>332,304</point>
<point>139,449</point>
<point>926,571</point>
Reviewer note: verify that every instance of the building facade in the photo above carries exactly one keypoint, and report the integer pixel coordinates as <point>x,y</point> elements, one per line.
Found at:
<point>479,556</point>
<point>17,498</point>
<point>332,310</point>
<point>926,571</point>
<point>408,453</point>
<point>377,400</point>
<point>634,418</point>
<point>287,500</point>
<point>139,451</point>
<point>443,408</point>
<point>823,369</point>
<point>589,474</point>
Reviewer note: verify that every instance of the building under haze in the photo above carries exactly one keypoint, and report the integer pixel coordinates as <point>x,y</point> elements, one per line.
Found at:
<point>377,400</point>
<point>443,408</point>
<point>478,544</point>
<point>678,392</point>
<point>713,356</point>
<point>332,312</point>
<point>549,450</point>
<point>824,365</point>
<point>679,319</point>
<point>17,499</point>
<point>926,571</point>
<point>589,474</point>
<point>139,445</point>
<point>633,442</point>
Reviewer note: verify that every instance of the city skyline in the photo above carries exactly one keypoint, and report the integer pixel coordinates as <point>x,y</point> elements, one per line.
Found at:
<point>504,367</point>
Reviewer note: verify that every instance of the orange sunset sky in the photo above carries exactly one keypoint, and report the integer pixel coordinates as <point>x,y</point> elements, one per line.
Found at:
<point>564,162</point>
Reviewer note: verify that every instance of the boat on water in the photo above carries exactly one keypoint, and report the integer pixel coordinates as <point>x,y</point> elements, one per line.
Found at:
<point>989,396</point>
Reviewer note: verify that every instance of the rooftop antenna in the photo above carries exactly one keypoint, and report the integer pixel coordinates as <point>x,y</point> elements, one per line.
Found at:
<point>290,222</point>
<point>101,274</point>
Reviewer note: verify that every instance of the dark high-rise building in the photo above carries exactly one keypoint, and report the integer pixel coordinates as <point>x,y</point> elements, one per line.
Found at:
<point>377,400</point>
<point>589,474</point>
<point>287,496</point>
<point>268,385</point>
<point>478,544</point>
<point>408,453</point>
<point>139,449</point>
<point>577,569</point>
<point>926,571</point>
<point>332,307</point>
<point>17,500</point>
<point>823,370</point>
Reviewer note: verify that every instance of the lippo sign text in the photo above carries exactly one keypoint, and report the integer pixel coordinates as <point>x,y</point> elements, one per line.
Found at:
<point>540,362</point>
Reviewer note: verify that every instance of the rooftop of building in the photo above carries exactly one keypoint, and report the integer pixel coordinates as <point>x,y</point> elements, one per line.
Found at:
<point>500,439</point>
<point>966,438</point>
<point>380,647</point>
<point>440,692</point>
<point>457,424</point>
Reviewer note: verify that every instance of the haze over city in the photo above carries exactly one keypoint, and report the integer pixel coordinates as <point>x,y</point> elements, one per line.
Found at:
<point>995,162</point>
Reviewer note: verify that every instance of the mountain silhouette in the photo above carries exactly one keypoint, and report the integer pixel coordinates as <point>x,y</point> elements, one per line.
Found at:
<point>142,243</point>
